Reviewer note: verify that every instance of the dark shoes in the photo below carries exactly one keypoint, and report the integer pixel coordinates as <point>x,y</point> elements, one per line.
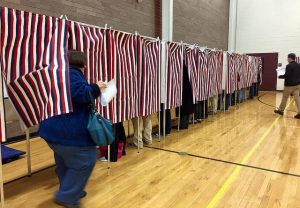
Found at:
<point>279,112</point>
<point>67,205</point>
<point>297,116</point>
<point>83,194</point>
<point>71,205</point>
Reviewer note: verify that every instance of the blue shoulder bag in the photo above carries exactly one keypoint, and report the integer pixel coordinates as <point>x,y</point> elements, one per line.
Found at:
<point>100,129</point>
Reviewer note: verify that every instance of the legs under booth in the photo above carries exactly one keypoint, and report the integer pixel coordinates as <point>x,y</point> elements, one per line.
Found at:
<point>142,131</point>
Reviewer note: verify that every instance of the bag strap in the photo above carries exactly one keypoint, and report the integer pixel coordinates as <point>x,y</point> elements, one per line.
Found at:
<point>100,121</point>
<point>92,100</point>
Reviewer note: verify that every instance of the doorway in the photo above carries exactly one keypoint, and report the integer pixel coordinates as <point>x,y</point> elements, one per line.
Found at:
<point>269,74</point>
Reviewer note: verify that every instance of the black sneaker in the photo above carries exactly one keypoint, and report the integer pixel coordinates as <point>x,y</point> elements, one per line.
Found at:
<point>297,116</point>
<point>83,194</point>
<point>279,112</point>
<point>67,205</point>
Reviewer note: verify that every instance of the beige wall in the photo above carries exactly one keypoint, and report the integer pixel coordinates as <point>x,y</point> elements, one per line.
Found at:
<point>204,22</point>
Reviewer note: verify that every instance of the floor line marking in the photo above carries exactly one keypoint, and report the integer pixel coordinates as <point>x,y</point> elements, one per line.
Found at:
<point>228,162</point>
<point>218,196</point>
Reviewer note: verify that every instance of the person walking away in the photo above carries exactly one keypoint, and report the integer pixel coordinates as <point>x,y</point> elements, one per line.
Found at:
<point>75,152</point>
<point>291,85</point>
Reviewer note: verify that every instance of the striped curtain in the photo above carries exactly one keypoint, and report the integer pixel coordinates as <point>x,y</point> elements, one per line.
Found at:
<point>260,72</point>
<point>148,73</point>
<point>34,64</point>
<point>122,64</point>
<point>174,60</point>
<point>250,72</point>
<point>110,55</point>
<point>215,71</point>
<point>191,61</point>
<point>244,70</point>
<point>212,73</point>
<point>232,82</point>
<point>219,71</point>
<point>91,41</point>
<point>203,74</point>
<point>2,121</point>
<point>298,60</point>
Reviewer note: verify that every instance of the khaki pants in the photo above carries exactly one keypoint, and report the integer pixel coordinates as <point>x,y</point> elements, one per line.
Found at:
<point>286,93</point>
<point>214,103</point>
<point>144,132</point>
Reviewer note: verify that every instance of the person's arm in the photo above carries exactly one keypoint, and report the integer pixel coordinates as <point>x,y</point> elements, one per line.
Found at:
<point>81,90</point>
<point>287,72</point>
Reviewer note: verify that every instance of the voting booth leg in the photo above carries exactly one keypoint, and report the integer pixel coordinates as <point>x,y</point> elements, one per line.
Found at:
<point>164,123</point>
<point>3,126</point>
<point>108,157</point>
<point>28,152</point>
<point>224,102</point>
<point>138,134</point>
<point>159,130</point>
<point>193,118</point>
<point>204,110</point>
<point>1,182</point>
<point>178,120</point>
<point>128,129</point>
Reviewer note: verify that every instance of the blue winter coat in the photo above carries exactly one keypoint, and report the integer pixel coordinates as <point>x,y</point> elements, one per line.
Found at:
<point>71,129</point>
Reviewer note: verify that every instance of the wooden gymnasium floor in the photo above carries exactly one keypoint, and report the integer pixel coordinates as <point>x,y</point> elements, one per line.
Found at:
<point>248,157</point>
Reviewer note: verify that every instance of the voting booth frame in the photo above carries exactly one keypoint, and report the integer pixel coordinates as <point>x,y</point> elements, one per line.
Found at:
<point>162,132</point>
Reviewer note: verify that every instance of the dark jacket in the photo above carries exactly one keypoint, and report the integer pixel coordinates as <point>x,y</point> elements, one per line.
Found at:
<point>292,74</point>
<point>187,107</point>
<point>71,129</point>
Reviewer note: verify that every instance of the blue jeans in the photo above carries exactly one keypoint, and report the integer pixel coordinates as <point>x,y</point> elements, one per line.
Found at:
<point>74,166</point>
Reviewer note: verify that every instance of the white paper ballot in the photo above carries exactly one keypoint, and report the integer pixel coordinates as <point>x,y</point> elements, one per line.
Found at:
<point>280,71</point>
<point>109,92</point>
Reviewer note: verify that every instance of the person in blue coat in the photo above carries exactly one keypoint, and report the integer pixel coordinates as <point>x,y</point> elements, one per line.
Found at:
<point>75,152</point>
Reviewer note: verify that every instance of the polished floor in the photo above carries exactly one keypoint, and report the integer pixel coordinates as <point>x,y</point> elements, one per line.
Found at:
<point>247,157</point>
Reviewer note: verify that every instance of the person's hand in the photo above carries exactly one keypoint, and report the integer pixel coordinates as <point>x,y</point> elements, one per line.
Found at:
<point>102,85</point>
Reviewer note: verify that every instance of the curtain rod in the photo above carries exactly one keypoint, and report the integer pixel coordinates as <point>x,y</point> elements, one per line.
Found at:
<point>90,25</point>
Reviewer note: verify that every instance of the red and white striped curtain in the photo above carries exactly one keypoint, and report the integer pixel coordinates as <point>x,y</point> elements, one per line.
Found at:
<point>2,120</point>
<point>219,71</point>
<point>212,73</point>
<point>148,70</point>
<point>191,61</point>
<point>260,68</point>
<point>92,41</point>
<point>244,75</point>
<point>110,55</point>
<point>122,64</point>
<point>174,62</point>
<point>215,71</point>
<point>34,64</point>
<point>250,72</point>
<point>239,70</point>
<point>203,74</point>
<point>232,81</point>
